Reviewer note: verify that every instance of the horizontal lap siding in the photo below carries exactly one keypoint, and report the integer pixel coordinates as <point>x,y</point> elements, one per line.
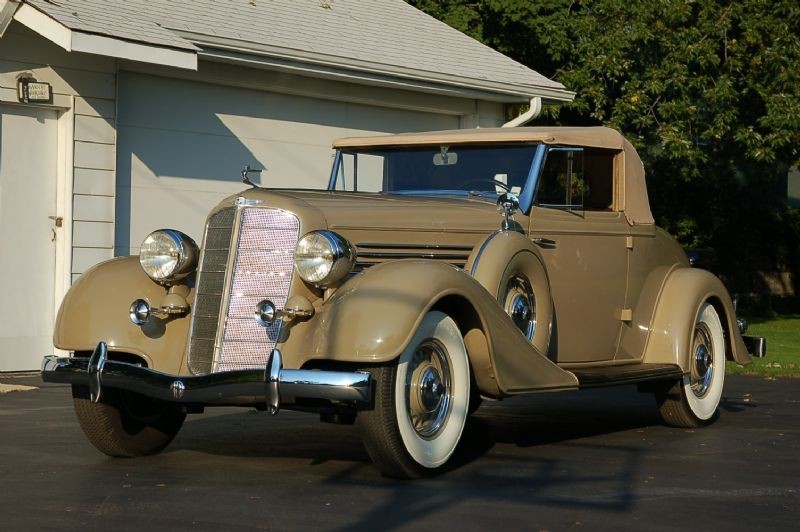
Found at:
<point>94,182</point>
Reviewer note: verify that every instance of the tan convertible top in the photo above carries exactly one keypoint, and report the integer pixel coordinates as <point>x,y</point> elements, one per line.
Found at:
<point>633,199</point>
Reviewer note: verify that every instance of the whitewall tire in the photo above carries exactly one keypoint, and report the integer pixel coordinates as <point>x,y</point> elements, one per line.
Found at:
<point>694,401</point>
<point>421,402</point>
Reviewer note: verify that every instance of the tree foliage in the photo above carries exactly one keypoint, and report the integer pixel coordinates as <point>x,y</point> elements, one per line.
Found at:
<point>707,90</point>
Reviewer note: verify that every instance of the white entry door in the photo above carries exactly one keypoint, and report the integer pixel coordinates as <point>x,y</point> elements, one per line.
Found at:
<point>28,180</point>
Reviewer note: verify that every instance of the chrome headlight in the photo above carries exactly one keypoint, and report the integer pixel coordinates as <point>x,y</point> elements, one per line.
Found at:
<point>168,255</point>
<point>323,257</point>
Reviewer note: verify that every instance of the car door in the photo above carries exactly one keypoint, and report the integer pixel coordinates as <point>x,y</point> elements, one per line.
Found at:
<point>584,243</point>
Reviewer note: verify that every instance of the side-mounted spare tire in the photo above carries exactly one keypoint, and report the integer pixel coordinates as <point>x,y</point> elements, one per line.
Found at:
<point>511,268</point>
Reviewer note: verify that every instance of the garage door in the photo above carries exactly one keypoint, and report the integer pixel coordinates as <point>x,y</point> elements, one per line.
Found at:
<point>182,144</point>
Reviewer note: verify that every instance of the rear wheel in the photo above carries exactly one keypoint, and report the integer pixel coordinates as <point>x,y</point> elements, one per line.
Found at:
<point>694,401</point>
<point>421,402</point>
<point>126,424</point>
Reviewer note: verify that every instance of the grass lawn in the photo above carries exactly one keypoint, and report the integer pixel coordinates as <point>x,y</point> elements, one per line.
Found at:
<point>783,347</point>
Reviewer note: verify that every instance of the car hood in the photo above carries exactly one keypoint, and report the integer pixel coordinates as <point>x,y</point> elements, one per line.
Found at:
<point>363,211</point>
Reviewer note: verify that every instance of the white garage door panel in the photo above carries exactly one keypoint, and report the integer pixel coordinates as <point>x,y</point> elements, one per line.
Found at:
<point>181,145</point>
<point>365,118</point>
<point>192,106</point>
<point>174,209</point>
<point>288,164</point>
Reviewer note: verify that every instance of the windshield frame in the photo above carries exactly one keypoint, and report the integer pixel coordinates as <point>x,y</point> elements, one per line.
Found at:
<point>526,195</point>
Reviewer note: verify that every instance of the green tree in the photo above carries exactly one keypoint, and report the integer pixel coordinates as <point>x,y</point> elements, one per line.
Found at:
<point>707,90</point>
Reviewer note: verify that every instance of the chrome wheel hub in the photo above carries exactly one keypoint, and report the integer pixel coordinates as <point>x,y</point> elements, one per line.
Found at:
<point>703,363</point>
<point>428,389</point>
<point>520,304</point>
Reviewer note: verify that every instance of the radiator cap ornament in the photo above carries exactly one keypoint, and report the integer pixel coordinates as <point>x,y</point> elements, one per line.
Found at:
<point>245,173</point>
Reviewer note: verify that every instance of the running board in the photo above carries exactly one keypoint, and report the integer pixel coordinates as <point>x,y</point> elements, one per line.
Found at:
<point>628,374</point>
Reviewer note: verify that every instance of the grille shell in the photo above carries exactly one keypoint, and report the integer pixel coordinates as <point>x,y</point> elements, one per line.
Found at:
<point>248,256</point>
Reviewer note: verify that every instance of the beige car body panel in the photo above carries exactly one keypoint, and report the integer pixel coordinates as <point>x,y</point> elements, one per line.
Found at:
<point>373,317</point>
<point>97,308</point>
<point>684,291</point>
<point>587,264</point>
<point>622,290</point>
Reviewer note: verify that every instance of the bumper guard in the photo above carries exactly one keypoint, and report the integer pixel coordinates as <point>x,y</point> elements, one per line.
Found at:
<point>271,383</point>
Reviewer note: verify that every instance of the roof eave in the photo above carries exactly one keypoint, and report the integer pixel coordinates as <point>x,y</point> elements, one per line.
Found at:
<point>368,73</point>
<point>78,41</point>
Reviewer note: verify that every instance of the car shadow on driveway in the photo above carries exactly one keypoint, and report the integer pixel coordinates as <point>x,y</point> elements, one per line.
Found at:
<point>571,450</point>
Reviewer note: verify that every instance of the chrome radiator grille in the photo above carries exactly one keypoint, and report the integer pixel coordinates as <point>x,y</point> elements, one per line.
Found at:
<point>224,334</point>
<point>209,288</point>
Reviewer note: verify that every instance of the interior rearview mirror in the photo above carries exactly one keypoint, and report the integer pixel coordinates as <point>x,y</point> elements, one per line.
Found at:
<point>445,157</point>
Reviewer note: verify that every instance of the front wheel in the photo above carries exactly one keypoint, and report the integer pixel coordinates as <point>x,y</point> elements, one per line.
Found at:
<point>126,424</point>
<point>694,401</point>
<point>421,402</point>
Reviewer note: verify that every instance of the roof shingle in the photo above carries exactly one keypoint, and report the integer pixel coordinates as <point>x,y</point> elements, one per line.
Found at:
<point>386,33</point>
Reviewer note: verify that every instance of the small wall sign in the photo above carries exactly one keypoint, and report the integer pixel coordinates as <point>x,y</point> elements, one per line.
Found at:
<point>31,91</point>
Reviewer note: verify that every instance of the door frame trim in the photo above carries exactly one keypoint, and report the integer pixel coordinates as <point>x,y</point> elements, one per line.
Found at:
<point>64,199</point>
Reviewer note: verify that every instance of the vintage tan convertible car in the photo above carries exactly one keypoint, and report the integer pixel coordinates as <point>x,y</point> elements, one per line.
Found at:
<point>437,269</point>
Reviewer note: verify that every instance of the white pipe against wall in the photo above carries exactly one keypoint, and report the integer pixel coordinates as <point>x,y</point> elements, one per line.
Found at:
<point>533,111</point>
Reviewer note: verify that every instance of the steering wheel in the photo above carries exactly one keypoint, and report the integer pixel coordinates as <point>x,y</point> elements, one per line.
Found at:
<point>494,182</point>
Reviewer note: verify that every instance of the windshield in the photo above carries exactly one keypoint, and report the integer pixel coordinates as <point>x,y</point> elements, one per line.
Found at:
<point>434,169</point>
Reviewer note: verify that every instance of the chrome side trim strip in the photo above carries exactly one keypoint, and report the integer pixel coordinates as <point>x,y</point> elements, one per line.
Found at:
<point>379,245</point>
<point>421,255</point>
<point>272,383</point>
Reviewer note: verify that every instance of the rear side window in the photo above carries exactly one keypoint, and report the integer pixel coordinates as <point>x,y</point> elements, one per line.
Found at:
<point>577,179</point>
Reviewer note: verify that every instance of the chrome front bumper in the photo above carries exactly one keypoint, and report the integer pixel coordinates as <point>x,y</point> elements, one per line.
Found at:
<point>272,383</point>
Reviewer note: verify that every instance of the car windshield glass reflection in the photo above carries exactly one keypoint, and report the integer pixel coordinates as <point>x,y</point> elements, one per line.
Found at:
<point>435,170</point>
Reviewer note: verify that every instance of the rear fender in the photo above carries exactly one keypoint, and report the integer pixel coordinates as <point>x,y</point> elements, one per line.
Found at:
<point>372,318</point>
<point>684,291</point>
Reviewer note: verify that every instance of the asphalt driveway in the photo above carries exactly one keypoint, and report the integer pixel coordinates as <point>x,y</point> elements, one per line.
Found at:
<point>592,460</point>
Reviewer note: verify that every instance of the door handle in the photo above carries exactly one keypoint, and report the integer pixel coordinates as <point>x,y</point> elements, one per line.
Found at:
<point>58,220</point>
<point>544,242</point>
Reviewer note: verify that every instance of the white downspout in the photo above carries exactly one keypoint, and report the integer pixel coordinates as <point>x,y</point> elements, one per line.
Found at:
<point>533,111</point>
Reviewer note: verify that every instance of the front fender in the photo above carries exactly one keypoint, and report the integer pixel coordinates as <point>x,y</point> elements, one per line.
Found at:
<point>372,318</point>
<point>671,331</point>
<point>96,308</point>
